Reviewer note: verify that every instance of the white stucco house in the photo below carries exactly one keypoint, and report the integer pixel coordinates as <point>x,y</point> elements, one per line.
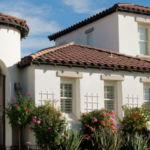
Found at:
<point>100,62</point>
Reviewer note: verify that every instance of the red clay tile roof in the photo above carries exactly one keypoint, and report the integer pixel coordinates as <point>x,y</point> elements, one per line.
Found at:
<point>17,23</point>
<point>75,55</point>
<point>122,7</point>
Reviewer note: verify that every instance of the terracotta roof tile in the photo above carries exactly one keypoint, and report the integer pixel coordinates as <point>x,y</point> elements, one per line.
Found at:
<point>122,7</point>
<point>75,55</point>
<point>20,24</point>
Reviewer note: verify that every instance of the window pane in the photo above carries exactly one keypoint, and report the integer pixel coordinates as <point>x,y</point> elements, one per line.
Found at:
<point>143,48</point>
<point>109,92</point>
<point>146,94</point>
<point>66,98</point>
<point>109,104</point>
<point>143,33</point>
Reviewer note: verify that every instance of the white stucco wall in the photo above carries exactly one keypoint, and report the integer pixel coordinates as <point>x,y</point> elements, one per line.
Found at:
<point>105,34</point>
<point>128,32</point>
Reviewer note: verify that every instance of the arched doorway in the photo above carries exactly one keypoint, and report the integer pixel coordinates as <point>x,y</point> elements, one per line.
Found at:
<point>2,107</point>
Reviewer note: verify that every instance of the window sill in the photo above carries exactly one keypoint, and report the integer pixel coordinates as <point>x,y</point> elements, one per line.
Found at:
<point>145,57</point>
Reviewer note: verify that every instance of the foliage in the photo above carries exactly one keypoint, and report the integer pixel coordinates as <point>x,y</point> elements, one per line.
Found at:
<point>48,126</point>
<point>20,110</point>
<point>97,120</point>
<point>71,141</point>
<point>107,140</point>
<point>135,120</point>
<point>135,142</point>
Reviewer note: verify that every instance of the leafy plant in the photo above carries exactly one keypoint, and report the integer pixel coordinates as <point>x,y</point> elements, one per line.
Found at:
<point>71,141</point>
<point>19,112</point>
<point>48,126</point>
<point>135,142</point>
<point>135,120</point>
<point>106,140</point>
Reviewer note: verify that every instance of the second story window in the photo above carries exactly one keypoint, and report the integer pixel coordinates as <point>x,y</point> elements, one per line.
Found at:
<point>143,40</point>
<point>89,36</point>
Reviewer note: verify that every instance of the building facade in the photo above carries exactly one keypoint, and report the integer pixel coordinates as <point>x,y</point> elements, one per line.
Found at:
<point>106,66</point>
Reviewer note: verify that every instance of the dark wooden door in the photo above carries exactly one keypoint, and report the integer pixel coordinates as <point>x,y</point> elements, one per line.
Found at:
<point>2,114</point>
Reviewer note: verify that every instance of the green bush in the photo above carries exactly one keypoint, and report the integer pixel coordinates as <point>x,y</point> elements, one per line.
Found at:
<point>20,112</point>
<point>135,142</point>
<point>71,141</point>
<point>48,126</point>
<point>135,120</point>
<point>106,140</point>
<point>97,120</point>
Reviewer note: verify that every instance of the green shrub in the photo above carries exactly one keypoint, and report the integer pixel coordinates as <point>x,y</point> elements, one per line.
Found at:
<point>71,141</point>
<point>135,120</point>
<point>106,140</point>
<point>48,126</point>
<point>97,120</point>
<point>135,142</point>
<point>20,112</point>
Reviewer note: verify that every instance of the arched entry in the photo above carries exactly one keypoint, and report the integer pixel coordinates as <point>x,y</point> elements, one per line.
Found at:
<point>2,107</point>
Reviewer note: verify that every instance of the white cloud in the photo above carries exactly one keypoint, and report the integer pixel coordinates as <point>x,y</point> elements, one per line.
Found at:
<point>33,44</point>
<point>81,6</point>
<point>37,18</point>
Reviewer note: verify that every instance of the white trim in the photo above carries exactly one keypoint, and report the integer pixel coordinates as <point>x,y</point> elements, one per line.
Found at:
<point>69,74</point>
<point>112,78</point>
<point>145,79</point>
<point>143,20</point>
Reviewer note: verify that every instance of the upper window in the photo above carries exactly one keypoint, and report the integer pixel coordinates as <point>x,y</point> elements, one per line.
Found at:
<point>109,96</point>
<point>66,98</point>
<point>89,36</point>
<point>143,40</point>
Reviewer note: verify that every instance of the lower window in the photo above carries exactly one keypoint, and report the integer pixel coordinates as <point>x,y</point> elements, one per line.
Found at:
<point>66,98</point>
<point>147,97</point>
<point>109,96</point>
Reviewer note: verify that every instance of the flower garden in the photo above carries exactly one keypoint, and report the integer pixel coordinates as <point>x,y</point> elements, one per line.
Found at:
<point>100,129</point>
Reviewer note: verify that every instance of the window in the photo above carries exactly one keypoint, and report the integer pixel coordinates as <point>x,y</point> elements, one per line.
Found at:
<point>109,96</point>
<point>143,40</point>
<point>66,98</point>
<point>89,36</point>
<point>147,96</point>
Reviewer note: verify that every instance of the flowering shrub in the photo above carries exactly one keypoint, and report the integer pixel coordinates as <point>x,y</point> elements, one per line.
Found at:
<point>135,120</point>
<point>97,120</point>
<point>48,126</point>
<point>19,111</point>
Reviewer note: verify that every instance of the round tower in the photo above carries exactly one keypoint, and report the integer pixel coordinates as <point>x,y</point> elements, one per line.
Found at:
<point>12,30</point>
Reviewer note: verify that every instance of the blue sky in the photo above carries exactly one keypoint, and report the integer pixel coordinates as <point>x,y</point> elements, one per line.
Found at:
<point>45,17</point>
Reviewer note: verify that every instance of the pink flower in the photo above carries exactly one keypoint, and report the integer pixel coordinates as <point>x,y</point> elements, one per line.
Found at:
<point>10,108</point>
<point>14,99</point>
<point>29,94</point>
<point>16,105</point>
<point>34,117</point>
<point>113,113</point>
<point>91,128</point>
<point>66,137</point>
<point>49,128</point>
<point>27,109</point>
<point>103,122</point>
<point>94,120</point>
<point>34,120</point>
<point>105,114</point>
<point>38,122</point>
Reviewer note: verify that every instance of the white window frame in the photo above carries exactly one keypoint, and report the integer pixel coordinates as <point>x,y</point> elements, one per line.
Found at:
<point>66,98</point>
<point>115,95</point>
<point>147,39</point>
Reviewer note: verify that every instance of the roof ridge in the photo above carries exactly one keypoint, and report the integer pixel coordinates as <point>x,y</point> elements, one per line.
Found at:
<point>111,52</point>
<point>47,50</point>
